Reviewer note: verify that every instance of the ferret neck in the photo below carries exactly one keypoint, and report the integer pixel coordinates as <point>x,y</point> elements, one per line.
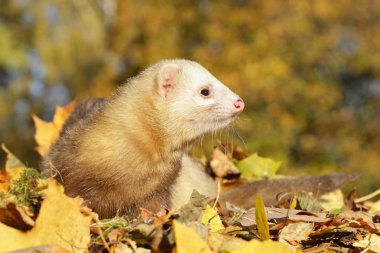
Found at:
<point>142,114</point>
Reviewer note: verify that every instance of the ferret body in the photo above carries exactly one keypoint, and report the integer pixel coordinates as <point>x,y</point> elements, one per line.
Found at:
<point>126,152</point>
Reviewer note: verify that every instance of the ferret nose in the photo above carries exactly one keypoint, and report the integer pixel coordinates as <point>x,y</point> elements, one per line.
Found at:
<point>239,105</point>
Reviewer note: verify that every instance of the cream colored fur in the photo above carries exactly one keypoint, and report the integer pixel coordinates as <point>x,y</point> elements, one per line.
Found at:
<point>191,177</point>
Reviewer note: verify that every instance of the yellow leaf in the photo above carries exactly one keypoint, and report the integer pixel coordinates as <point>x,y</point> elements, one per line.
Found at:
<point>224,243</point>
<point>375,206</point>
<point>212,219</point>
<point>261,219</point>
<point>332,200</point>
<point>371,241</point>
<point>48,132</point>
<point>265,246</point>
<point>256,166</point>
<point>187,239</point>
<point>293,203</point>
<point>60,222</point>
<point>13,166</point>
<point>13,169</point>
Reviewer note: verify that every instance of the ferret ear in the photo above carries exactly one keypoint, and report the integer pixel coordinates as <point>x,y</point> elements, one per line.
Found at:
<point>167,79</point>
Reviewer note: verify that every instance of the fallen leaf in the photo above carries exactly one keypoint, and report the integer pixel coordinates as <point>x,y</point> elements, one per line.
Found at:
<point>114,236</point>
<point>278,214</point>
<point>223,243</point>
<point>308,202</point>
<point>212,219</point>
<point>371,241</point>
<point>308,218</point>
<point>238,153</point>
<point>193,210</point>
<point>256,166</point>
<point>187,240</point>
<point>332,200</point>
<point>261,219</point>
<point>13,169</point>
<point>122,248</point>
<point>44,249</point>
<point>296,232</point>
<point>374,206</point>
<point>48,132</point>
<point>60,222</point>
<point>15,216</point>
<point>222,165</point>
<point>265,246</point>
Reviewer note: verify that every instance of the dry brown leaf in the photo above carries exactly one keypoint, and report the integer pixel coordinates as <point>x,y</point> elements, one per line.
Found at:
<point>48,132</point>
<point>115,235</point>
<point>222,166</point>
<point>295,232</point>
<point>60,222</point>
<point>371,242</point>
<point>16,216</point>
<point>248,219</point>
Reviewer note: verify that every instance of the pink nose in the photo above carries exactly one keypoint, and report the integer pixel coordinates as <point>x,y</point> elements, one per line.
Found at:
<point>239,105</point>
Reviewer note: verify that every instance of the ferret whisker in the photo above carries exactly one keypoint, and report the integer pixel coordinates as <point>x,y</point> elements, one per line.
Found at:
<point>236,131</point>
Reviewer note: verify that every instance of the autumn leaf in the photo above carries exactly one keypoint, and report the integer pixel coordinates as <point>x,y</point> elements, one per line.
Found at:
<point>371,241</point>
<point>261,219</point>
<point>308,202</point>
<point>60,222</point>
<point>48,132</point>
<point>16,216</point>
<point>187,240</point>
<point>212,219</point>
<point>13,166</point>
<point>13,169</point>
<point>265,246</point>
<point>295,232</point>
<point>256,166</point>
<point>332,201</point>
<point>222,165</point>
<point>223,243</point>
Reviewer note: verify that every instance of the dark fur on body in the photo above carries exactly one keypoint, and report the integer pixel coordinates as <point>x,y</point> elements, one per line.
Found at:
<point>99,199</point>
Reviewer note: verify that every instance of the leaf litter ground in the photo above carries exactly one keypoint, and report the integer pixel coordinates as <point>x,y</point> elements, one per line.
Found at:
<point>35,212</point>
<point>36,215</point>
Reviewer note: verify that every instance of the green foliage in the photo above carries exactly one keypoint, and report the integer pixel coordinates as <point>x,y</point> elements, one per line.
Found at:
<point>307,70</point>
<point>28,189</point>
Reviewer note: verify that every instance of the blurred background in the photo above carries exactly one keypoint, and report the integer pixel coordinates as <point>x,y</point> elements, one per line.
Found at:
<point>309,71</point>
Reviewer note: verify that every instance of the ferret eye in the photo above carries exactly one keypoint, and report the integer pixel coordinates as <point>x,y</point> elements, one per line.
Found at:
<point>205,92</point>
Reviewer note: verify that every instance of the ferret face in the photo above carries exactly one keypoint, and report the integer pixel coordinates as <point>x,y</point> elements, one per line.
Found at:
<point>199,100</point>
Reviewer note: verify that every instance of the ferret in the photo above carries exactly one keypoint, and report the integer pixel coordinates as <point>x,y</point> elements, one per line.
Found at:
<point>126,152</point>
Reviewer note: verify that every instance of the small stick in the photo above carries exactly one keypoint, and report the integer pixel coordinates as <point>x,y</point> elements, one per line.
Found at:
<point>103,239</point>
<point>367,197</point>
<point>218,193</point>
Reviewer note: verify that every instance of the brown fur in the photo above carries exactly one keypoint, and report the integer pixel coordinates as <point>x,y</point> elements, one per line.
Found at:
<point>125,152</point>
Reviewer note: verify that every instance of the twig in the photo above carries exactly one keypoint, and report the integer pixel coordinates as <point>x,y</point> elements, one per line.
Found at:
<point>367,197</point>
<point>132,244</point>
<point>218,194</point>
<point>103,239</point>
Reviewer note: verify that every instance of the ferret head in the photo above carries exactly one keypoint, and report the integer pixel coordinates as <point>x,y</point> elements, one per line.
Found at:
<point>196,101</point>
